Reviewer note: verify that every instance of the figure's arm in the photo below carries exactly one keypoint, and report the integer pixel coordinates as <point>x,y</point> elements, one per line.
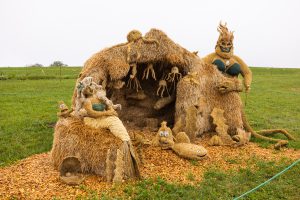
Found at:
<point>95,114</point>
<point>209,58</point>
<point>246,73</point>
<point>226,84</point>
<point>109,104</point>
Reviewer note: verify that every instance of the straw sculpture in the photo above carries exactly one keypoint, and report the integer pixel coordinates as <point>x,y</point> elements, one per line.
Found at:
<point>154,78</point>
<point>98,139</point>
<point>180,144</point>
<point>225,60</point>
<point>167,81</point>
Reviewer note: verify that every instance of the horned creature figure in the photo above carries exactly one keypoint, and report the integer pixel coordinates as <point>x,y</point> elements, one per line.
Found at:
<point>231,66</point>
<point>224,59</point>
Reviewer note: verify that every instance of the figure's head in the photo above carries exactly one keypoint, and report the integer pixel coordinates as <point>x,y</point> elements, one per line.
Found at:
<point>134,35</point>
<point>224,46</point>
<point>163,124</point>
<point>88,91</point>
<point>165,139</point>
<point>62,106</point>
<point>87,87</point>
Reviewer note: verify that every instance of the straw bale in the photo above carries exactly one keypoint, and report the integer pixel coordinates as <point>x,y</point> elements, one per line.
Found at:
<point>91,146</point>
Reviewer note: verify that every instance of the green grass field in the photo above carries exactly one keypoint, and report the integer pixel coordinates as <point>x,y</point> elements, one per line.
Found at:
<point>28,107</point>
<point>34,73</point>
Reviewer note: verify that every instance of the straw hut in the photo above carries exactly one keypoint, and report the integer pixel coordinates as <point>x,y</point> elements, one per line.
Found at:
<point>154,79</point>
<point>118,67</point>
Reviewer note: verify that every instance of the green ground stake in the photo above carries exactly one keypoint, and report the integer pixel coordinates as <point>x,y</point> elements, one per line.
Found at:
<point>267,181</point>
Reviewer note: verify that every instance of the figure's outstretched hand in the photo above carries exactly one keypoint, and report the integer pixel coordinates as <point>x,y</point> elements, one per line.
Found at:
<point>111,113</point>
<point>225,86</point>
<point>248,88</point>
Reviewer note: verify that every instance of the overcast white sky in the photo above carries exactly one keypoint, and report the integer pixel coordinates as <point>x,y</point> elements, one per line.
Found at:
<point>267,33</point>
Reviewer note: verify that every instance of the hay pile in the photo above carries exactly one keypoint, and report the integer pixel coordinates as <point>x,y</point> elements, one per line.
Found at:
<point>90,145</point>
<point>36,178</point>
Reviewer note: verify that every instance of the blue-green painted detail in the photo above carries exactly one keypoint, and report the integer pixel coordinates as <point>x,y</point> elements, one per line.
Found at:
<point>220,65</point>
<point>99,106</point>
<point>234,70</point>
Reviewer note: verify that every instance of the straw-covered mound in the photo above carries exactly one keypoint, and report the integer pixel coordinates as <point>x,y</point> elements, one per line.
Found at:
<point>199,93</point>
<point>90,146</point>
<point>72,138</point>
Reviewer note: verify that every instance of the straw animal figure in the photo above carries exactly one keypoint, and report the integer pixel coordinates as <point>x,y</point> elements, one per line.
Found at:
<point>174,76</point>
<point>63,110</point>
<point>133,82</point>
<point>148,70</point>
<point>135,36</point>
<point>180,144</point>
<point>162,87</point>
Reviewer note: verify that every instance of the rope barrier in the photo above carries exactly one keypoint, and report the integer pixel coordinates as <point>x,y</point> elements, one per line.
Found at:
<point>267,181</point>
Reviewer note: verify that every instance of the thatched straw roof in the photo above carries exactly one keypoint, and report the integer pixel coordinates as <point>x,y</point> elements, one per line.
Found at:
<point>114,61</point>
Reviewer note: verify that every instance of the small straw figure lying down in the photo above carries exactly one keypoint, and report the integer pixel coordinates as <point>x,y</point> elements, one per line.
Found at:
<point>100,93</point>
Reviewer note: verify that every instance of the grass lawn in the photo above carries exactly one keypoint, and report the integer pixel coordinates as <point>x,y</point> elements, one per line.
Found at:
<point>219,185</point>
<point>27,115</point>
<point>34,73</point>
<point>28,111</point>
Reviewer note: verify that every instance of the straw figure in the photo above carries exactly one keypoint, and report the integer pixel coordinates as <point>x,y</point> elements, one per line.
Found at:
<point>231,66</point>
<point>180,144</point>
<point>99,140</point>
<point>224,59</point>
<point>64,110</point>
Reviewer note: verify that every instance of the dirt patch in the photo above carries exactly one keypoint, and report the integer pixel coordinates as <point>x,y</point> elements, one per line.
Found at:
<point>35,177</point>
